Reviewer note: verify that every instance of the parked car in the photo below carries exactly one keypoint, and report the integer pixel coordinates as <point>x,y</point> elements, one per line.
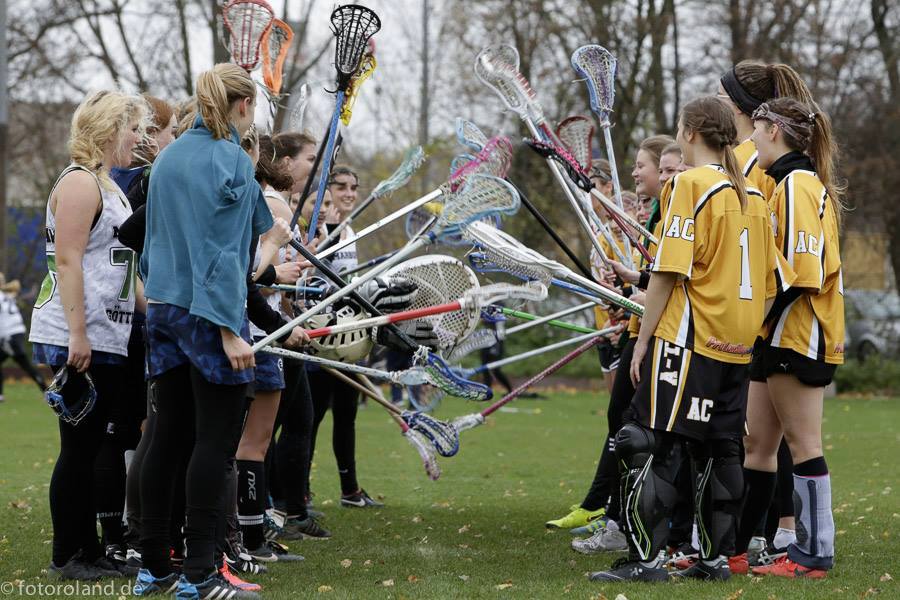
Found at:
<point>873,323</point>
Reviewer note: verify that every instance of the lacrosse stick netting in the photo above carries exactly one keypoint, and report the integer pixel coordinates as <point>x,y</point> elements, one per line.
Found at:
<point>352,25</point>
<point>275,45</point>
<point>247,22</point>
<point>366,69</point>
<point>469,135</point>
<point>576,134</point>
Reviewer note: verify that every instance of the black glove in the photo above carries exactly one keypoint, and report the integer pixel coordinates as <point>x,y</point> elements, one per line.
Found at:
<point>389,294</point>
<point>420,331</point>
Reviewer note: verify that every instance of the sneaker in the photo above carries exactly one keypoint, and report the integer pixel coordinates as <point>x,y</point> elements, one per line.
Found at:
<point>297,529</point>
<point>605,540</point>
<point>240,561</point>
<point>707,570</point>
<point>577,517</point>
<point>215,586</point>
<point>360,499</point>
<point>785,567</point>
<point>767,556</point>
<point>117,556</point>
<point>271,526</point>
<point>627,569</point>
<point>133,558</point>
<point>682,557</point>
<point>756,547</point>
<point>146,584</point>
<point>229,576</point>
<point>114,569</point>
<point>738,564</point>
<point>78,569</point>
<point>591,528</point>
<point>271,552</point>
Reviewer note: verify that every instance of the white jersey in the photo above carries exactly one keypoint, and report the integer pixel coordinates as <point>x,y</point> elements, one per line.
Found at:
<point>11,322</point>
<point>109,281</point>
<point>345,259</point>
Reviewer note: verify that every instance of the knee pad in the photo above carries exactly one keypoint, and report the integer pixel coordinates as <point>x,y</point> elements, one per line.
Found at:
<point>634,444</point>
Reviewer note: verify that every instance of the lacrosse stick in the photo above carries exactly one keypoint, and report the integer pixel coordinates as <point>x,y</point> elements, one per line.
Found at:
<point>551,320</point>
<point>497,67</point>
<point>412,160</point>
<point>275,45</point>
<point>482,196</point>
<point>247,22</point>
<point>352,26</point>
<point>299,110</point>
<point>429,461</point>
<point>471,421</point>
<point>512,256</point>
<point>478,340</point>
<point>297,289</point>
<point>366,68</point>
<point>369,263</point>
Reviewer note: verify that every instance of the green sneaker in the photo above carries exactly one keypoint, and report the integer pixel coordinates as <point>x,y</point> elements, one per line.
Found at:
<point>591,528</point>
<point>578,517</point>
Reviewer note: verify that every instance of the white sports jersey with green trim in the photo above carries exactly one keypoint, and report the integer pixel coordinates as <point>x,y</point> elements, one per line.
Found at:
<point>109,281</point>
<point>10,318</point>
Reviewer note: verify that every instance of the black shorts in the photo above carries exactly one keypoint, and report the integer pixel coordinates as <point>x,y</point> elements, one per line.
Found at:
<point>757,370</point>
<point>808,371</point>
<point>609,356</point>
<point>693,395</point>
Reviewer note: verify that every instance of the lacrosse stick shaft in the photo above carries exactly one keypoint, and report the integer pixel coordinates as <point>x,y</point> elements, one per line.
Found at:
<point>334,364</point>
<point>308,185</point>
<point>380,223</point>
<point>368,264</point>
<point>611,208</point>
<point>617,187</point>
<point>396,317</point>
<point>549,319</point>
<point>556,366</point>
<point>326,166</point>
<point>544,349</point>
<point>300,289</point>
<point>364,390</point>
<point>336,232</point>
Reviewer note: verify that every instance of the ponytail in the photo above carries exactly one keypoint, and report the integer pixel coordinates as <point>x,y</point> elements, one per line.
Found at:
<point>824,152</point>
<point>735,175</point>
<point>788,84</point>
<point>217,89</point>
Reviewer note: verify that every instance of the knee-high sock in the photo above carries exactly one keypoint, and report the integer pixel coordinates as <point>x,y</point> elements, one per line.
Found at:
<point>814,547</point>
<point>251,500</point>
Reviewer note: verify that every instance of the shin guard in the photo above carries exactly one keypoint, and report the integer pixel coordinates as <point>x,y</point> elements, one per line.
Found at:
<point>719,481</point>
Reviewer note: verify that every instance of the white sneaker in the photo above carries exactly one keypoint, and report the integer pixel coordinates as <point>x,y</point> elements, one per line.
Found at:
<point>605,540</point>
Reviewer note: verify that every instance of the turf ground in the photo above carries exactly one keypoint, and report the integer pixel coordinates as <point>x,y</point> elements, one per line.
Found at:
<point>478,532</point>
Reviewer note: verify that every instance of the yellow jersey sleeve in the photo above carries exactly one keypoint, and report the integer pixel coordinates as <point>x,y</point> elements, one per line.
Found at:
<point>675,253</point>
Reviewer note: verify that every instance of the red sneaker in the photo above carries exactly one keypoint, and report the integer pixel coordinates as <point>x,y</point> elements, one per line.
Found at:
<point>785,567</point>
<point>738,565</point>
<point>236,581</point>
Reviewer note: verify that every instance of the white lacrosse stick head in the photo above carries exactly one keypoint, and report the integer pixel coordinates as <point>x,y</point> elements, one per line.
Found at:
<point>477,340</point>
<point>247,21</point>
<point>497,67</point>
<point>426,453</point>
<point>299,110</point>
<point>597,66</point>
<point>481,197</point>
<point>510,254</point>
<point>576,134</point>
<point>469,135</point>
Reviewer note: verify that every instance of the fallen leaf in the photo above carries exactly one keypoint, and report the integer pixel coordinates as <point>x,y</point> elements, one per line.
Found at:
<point>323,589</point>
<point>885,577</point>
<point>417,519</point>
<point>412,579</point>
<point>621,597</point>
<point>464,577</point>
<point>388,583</point>
<point>871,592</point>
<point>736,595</point>
<point>463,529</point>
<point>503,586</point>
<point>368,563</point>
<point>346,563</point>
<point>20,504</point>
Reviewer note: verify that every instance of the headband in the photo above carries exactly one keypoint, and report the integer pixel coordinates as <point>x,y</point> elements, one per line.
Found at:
<point>744,100</point>
<point>801,131</point>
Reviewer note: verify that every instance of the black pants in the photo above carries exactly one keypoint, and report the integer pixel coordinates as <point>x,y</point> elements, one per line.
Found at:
<point>14,347</point>
<point>605,487</point>
<point>329,392</point>
<point>73,500</point>
<point>489,355</point>
<point>197,420</point>
<point>289,478</point>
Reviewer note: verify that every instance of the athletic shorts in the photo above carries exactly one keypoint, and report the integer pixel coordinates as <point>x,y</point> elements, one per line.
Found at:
<point>693,395</point>
<point>609,356</point>
<point>808,371</point>
<point>55,356</point>
<point>269,374</point>
<point>176,337</point>
<point>757,370</point>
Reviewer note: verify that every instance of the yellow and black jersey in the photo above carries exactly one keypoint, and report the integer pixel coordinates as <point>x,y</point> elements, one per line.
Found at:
<point>747,158</point>
<point>806,233</point>
<point>727,262</point>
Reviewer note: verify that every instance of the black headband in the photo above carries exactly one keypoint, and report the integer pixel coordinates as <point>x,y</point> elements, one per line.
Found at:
<point>738,94</point>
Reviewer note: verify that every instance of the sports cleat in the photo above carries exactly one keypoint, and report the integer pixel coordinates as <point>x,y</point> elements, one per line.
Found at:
<point>714,570</point>
<point>628,569</point>
<point>360,499</point>
<point>738,564</point>
<point>237,557</point>
<point>766,556</point>
<point>756,546</point>
<point>605,540</point>
<point>309,528</point>
<point>271,527</point>
<point>229,576</point>
<point>78,569</point>
<point>785,567</point>
<point>147,585</point>
<point>215,587</point>
<point>271,552</point>
<point>133,558</point>
<point>682,557</point>
<point>577,517</point>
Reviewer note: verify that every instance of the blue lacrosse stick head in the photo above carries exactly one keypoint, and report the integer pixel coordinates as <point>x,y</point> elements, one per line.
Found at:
<point>70,401</point>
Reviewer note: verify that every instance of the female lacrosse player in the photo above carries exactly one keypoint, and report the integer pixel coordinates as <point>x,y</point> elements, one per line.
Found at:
<point>805,341</point>
<point>604,534</point>
<point>689,364</point>
<point>204,208</point>
<point>12,333</point>
<point>82,321</point>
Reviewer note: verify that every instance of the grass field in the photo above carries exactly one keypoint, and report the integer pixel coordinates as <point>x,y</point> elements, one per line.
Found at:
<point>478,532</point>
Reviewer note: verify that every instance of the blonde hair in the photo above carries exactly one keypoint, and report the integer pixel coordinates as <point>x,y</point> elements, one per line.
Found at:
<point>99,121</point>
<point>767,81</point>
<point>217,89</point>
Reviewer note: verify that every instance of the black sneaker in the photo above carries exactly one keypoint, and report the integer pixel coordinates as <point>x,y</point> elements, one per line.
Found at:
<point>715,570</point>
<point>297,529</point>
<point>238,558</point>
<point>360,500</point>
<point>271,552</point>
<point>78,569</point>
<point>114,569</point>
<point>271,528</point>
<point>133,558</point>
<point>215,586</point>
<point>117,556</point>
<point>627,569</point>
<point>767,556</point>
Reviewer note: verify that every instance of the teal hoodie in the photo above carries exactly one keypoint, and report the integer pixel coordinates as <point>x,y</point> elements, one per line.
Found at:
<point>203,208</point>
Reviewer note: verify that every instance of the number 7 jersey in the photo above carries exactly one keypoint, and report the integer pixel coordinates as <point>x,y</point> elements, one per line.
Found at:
<point>109,280</point>
<point>727,264</point>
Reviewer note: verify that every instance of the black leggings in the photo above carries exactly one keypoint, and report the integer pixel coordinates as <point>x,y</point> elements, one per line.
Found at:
<point>73,504</point>
<point>605,486</point>
<point>291,454</point>
<point>14,347</point>
<point>198,421</point>
<point>329,392</point>
<point>489,355</point>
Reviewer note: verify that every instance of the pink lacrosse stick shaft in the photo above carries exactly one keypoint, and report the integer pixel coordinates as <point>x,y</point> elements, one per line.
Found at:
<point>405,315</point>
<point>559,364</point>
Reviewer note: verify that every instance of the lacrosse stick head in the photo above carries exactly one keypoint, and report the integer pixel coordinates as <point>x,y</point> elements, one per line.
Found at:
<point>247,23</point>
<point>459,161</point>
<point>426,453</point>
<point>477,340</point>
<point>352,25</point>
<point>469,135</point>
<point>482,196</point>
<point>502,252</point>
<point>465,422</point>
<point>597,66</point>
<point>299,110</point>
<point>497,67</point>
<point>366,68</point>
<point>412,160</point>
<point>441,279</point>
<point>439,374</point>
<point>442,435</point>
<point>275,45</point>
<point>577,135</point>
<point>495,158</point>
<point>574,169</point>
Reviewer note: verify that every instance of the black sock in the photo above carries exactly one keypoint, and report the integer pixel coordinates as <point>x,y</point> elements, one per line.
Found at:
<point>760,489</point>
<point>251,501</point>
<point>814,467</point>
